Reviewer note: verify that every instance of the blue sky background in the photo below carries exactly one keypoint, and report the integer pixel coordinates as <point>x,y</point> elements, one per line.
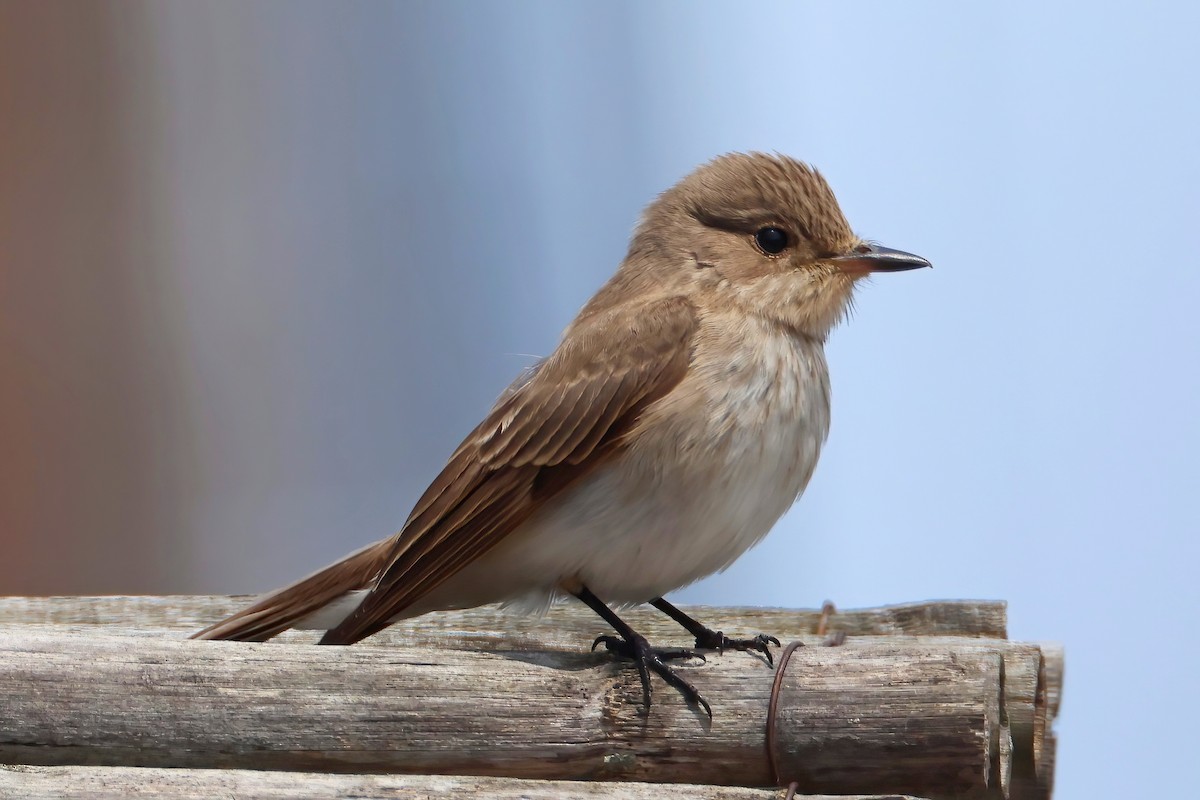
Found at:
<point>348,224</point>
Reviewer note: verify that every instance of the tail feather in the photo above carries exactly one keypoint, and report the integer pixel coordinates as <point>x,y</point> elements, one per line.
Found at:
<point>284,608</point>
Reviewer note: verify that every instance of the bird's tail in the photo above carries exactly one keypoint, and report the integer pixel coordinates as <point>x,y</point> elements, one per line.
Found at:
<point>288,607</point>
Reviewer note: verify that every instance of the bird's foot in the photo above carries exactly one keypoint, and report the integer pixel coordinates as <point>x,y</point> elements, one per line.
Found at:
<point>715,640</point>
<point>651,659</point>
<point>708,639</point>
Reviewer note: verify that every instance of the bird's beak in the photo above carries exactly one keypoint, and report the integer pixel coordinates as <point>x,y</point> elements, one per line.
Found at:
<point>872,258</point>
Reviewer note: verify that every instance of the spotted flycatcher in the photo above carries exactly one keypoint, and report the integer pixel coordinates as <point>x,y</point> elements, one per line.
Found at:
<point>680,416</point>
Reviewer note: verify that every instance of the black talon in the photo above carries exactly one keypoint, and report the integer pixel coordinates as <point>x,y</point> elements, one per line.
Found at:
<point>632,645</point>
<point>708,639</point>
<point>647,659</point>
<point>618,646</point>
<point>715,640</point>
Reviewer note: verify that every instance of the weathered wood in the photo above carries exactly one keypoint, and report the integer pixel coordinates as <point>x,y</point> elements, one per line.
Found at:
<point>813,717</point>
<point>909,716</point>
<point>1039,784</point>
<point>1055,657</point>
<point>566,626</point>
<point>119,783</point>
<point>1030,677</point>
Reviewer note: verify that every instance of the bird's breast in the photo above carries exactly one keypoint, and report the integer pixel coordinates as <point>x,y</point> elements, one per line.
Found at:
<point>706,473</point>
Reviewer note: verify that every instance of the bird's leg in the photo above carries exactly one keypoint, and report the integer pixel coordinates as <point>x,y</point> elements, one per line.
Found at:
<point>632,645</point>
<point>708,639</point>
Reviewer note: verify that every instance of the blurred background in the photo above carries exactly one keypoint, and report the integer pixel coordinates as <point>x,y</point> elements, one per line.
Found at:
<point>263,265</point>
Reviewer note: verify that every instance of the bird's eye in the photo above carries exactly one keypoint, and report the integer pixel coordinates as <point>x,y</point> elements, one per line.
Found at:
<point>771,240</point>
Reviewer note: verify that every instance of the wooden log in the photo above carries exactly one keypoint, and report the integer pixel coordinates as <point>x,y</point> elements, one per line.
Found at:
<point>1023,701</point>
<point>1055,657</point>
<point>122,783</point>
<point>910,717</point>
<point>569,626</point>
<point>566,626</point>
<point>1029,699</point>
<point>1038,783</point>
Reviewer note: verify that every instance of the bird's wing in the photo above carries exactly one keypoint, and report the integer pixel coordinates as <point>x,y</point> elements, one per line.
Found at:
<point>542,435</point>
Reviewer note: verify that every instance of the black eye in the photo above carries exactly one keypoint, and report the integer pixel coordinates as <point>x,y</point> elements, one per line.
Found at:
<point>772,240</point>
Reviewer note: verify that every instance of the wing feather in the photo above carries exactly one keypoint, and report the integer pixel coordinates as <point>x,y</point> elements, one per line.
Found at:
<point>542,435</point>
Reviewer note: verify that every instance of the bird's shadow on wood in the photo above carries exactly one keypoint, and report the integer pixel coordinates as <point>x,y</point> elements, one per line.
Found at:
<point>568,660</point>
<point>576,661</point>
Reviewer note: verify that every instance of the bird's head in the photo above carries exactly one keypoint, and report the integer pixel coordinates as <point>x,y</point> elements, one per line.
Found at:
<point>763,233</point>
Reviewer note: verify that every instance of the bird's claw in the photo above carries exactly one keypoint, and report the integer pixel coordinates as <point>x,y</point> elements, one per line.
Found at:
<point>715,640</point>
<point>648,659</point>
<point>619,647</point>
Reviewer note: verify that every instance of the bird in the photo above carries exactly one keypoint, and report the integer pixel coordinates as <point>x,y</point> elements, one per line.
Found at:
<point>679,417</point>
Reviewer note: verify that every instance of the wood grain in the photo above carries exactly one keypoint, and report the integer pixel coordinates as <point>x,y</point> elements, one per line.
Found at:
<point>567,625</point>
<point>120,783</point>
<point>913,718</point>
<point>927,698</point>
